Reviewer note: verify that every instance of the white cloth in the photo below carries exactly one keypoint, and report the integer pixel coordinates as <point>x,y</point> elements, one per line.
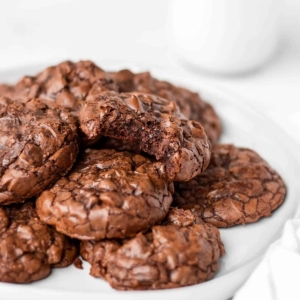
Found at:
<point>277,275</point>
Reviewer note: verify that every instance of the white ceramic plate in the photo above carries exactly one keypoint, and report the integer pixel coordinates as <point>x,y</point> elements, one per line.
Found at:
<point>243,126</point>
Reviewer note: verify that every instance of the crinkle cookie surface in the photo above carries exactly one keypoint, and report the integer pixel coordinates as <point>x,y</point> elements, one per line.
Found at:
<point>238,187</point>
<point>107,194</point>
<point>167,256</point>
<point>37,146</point>
<point>66,84</point>
<point>30,248</point>
<point>154,124</point>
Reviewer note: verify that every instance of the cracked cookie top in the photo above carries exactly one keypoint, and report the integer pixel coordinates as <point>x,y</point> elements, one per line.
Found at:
<point>37,146</point>
<point>182,252</point>
<point>238,187</point>
<point>66,84</point>
<point>28,247</point>
<point>108,194</point>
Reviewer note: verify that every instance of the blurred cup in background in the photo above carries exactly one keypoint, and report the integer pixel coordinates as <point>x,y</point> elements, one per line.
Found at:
<point>224,36</point>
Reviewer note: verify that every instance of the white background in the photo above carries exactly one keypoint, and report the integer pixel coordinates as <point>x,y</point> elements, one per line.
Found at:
<point>133,30</point>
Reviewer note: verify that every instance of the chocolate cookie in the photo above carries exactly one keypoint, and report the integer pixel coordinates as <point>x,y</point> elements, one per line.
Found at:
<point>66,84</point>
<point>190,104</point>
<point>37,146</point>
<point>238,187</point>
<point>118,145</point>
<point>6,90</point>
<point>124,79</point>
<point>154,124</point>
<point>108,194</point>
<point>28,247</point>
<point>167,256</point>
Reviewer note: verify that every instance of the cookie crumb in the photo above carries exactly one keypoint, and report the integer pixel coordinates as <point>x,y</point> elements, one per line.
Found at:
<point>78,263</point>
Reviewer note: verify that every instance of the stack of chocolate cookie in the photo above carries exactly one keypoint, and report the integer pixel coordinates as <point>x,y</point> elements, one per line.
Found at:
<point>124,169</point>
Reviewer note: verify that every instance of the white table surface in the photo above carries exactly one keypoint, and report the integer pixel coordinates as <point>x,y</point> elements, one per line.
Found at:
<point>36,31</point>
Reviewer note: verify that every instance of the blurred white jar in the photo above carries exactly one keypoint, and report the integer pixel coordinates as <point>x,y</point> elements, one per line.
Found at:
<point>224,36</point>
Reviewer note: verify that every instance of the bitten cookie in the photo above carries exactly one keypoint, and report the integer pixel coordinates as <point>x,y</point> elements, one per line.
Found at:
<point>38,145</point>
<point>154,124</point>
<point>108,194</point>
<point>238,187</point>
<point>190,103</point>
<point>184,251</point>
<point>30,248</point>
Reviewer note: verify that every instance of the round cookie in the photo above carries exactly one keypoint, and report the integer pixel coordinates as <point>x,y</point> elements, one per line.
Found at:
<point>238,187</point>
<point>66,84</point>
<point>28,247</point>
<point>167,256</point>
<point>154,124</point>
<point>190,103</point>
<point>107,194</point>
<point>38,146</point>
